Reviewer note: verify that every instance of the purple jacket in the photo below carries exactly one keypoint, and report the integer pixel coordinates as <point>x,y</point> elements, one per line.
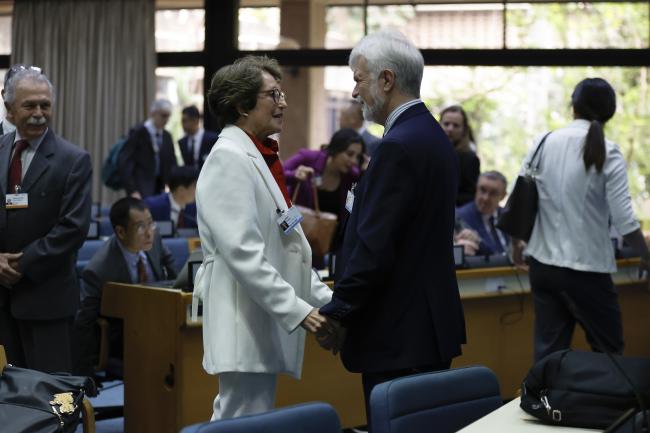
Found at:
<point>315,159</point>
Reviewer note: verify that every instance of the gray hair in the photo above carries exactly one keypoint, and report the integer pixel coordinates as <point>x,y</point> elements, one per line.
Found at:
<point>23,75</point>
<point>161,105</point>
<point>389,49</point>
<point>495,175</point>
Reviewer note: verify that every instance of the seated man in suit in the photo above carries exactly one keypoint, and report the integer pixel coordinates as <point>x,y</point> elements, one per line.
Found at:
<point>197,143</point>
<point>178,204</point>
<point>147,157</point>
<point>134,254</point>
<point>482,214</point>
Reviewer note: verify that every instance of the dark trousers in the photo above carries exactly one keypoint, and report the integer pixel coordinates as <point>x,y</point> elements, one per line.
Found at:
<point>43,345</point>
<point>595,297</point>
<point>370,380</point>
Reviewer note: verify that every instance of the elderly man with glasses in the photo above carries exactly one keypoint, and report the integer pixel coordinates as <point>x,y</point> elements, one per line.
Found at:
<point>134,254</point>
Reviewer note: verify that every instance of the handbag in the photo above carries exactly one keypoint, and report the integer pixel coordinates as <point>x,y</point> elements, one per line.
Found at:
<point>35,402</point>
<point>319,227</point>
<point>584,389</point>
<point>518,216</point>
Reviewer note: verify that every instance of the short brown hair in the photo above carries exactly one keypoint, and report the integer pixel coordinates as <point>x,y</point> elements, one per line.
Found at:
<point>236,86</point>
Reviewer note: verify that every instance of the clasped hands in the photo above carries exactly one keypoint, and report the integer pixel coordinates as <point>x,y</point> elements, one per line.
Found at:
<point>9,274</point>
<point>329,332</point>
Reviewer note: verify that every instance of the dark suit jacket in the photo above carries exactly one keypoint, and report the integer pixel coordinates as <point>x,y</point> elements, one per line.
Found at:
<point>138,164</point>
<point>396,289</point>
<point>106,265</point>
<point>470,215</point>
<point>470,169</point>
<point>161,209</point>
<point>50,231</point>
<point>209,138</point>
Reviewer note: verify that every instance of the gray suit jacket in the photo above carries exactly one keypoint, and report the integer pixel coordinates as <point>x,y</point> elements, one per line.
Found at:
<point>50,231</point>
<point>106,265</point>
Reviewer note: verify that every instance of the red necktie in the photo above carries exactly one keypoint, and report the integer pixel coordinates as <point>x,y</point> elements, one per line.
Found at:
<point>16,167</point>
<point>142,271</point>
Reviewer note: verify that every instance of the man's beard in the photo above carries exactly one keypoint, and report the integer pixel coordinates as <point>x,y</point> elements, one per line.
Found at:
<point>371,112</point>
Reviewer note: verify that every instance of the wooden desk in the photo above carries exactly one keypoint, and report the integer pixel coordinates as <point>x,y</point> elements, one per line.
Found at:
<point>510,418</point>
<point>166,387</point>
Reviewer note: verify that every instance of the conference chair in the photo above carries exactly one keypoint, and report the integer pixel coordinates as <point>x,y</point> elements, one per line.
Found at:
<point>86,252</point>
<point>88,415</point>
<point>437,402</point>
<point>302,418</point>
<point>105,227</point>
<point>179,249</point>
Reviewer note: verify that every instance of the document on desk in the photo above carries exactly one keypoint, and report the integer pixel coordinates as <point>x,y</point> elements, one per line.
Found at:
<point>494,284</point>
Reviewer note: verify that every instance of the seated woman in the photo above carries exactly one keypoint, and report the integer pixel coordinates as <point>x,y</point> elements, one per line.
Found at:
<point>333,170</point>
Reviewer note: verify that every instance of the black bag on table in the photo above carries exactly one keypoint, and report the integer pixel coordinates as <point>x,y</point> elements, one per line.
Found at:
<point>35,402</point>
<point>518,216</point>
<point>583,389</point>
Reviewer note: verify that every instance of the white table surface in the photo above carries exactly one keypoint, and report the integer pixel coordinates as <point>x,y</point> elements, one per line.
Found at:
<point>510,418</point>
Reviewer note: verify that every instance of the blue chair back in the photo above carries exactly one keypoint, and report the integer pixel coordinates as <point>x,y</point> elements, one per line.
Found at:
<point>302,418</point>
<point>437,402</point>
<point>179,249</point>
<point>105,227</point>
<point>86,252</point>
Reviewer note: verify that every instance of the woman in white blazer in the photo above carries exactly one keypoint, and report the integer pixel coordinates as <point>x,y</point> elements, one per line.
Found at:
<point>256,282</point>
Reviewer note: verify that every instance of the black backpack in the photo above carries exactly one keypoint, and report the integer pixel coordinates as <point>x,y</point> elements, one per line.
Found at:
<point>110,168</point>
<point>583,389</point>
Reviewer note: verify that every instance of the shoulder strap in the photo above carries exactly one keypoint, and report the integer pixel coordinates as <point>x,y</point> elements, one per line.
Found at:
<point>539,148</point>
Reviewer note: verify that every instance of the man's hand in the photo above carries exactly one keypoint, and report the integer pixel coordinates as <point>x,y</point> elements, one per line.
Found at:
<point>331,338</point>
<point>518,254</point>
<point>136,194</point>
<point>9,274</point>
<point>303,172</point>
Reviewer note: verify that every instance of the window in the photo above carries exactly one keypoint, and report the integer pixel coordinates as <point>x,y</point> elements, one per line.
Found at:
<point>259,28</point>
<point>180,30</point>
<point>5,34</point>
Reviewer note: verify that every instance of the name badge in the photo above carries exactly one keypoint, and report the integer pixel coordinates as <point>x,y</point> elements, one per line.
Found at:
<point>289,219</point>
<point>349,201</point>
<point>16,201</point>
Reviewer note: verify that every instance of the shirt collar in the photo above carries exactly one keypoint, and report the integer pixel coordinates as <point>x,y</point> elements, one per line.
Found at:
<point>175,206</point>
<point>268,148</point>
<point>131,258</point>
<point>151,128</point>
<point>7,126</point>
<point>394,115</point>
<point>33,143</point>
<point>580,123</point>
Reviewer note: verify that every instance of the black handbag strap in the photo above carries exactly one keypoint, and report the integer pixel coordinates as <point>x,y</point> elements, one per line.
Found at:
<point>539,147</point>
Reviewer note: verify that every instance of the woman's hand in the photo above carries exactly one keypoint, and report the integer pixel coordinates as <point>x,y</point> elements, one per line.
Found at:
<point>303,172</point>
<point>314,322</point>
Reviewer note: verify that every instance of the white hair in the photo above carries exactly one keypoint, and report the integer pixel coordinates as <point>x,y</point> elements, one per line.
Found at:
<point>161,105</point>
<point>25,75</point>
<point>389,49</point>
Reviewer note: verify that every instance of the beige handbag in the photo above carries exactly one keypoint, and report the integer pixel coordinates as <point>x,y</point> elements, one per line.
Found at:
<point>319,227</point>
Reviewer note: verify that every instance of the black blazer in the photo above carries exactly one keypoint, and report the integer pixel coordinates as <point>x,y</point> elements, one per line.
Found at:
<point>209,138</point>
<point>50,231</point>
<point>470,169</point>
<point>396,289</point>
<point>137,162</point>
<point>106,265</point>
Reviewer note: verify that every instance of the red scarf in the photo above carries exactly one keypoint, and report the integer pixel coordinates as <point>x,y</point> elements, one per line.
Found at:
<point>269,150</point>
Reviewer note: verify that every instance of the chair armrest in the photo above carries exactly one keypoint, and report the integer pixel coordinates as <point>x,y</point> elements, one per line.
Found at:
<point>88,416</point>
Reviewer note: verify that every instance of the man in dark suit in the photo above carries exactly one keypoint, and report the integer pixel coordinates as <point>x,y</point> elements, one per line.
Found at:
<point>146,160</point>
<point>134,254</point>
<point>45,188</point>
<point>197,143</point>
<point>178,204</point>
<point>352,117</point>
<point>482,214</point>
<point>395,293</point>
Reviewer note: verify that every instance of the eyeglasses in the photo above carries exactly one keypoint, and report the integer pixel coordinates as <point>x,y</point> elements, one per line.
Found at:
<point>141,228</point>
<point>277,95</point>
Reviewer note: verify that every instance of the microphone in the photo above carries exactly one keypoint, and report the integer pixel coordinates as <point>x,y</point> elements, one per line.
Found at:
<point>641,418</point>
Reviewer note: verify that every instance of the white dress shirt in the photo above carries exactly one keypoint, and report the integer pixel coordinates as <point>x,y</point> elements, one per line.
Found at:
<point>575,206</point>
<point>175,209</point>
<point>196,140</point>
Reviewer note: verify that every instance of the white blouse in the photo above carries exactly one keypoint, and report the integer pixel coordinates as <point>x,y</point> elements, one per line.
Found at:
<point>576,206</point>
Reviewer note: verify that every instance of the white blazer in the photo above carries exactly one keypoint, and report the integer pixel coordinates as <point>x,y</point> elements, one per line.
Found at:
<point>256,282</point>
